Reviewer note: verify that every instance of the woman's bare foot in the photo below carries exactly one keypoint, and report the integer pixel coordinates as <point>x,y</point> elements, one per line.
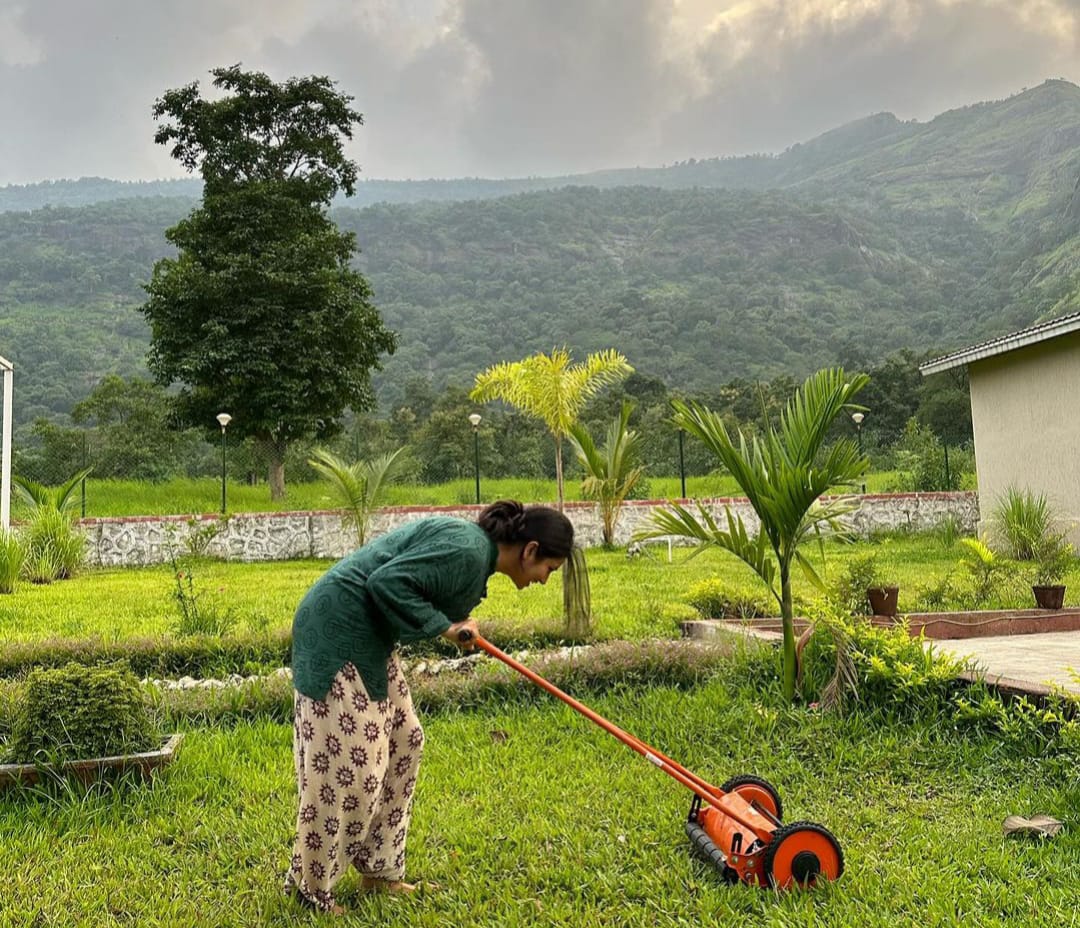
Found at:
<point>376,885</point>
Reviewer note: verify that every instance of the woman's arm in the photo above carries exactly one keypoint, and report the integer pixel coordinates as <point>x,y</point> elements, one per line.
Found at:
<point>405,588</point>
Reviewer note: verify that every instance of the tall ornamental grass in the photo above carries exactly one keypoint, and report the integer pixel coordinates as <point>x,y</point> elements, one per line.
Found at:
<point>1022,519</point>
<point>12,558</point>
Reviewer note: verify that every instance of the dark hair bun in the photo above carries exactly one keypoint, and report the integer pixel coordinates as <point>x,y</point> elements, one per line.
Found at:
<point>503,521</point>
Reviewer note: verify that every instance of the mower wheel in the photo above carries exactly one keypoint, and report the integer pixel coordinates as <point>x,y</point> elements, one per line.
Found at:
<point>757,791</point>
<point>800,854</point>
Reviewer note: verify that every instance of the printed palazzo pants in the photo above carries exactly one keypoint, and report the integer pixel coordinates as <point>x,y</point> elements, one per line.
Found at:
<point>356,765</point>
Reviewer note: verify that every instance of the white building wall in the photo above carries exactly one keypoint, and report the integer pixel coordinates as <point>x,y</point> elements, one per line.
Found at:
<point>1025,411</point>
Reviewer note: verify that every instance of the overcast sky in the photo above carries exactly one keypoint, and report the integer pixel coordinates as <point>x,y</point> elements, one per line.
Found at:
<point>503,88</point>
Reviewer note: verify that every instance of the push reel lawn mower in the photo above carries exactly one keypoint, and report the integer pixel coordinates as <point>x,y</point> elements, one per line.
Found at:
<point>737,826</point>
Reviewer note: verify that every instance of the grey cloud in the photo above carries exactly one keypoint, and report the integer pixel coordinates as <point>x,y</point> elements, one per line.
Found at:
<point>84,106</point>
<point>507,87</point>
<point>800,82</point>
<point>568,85</point>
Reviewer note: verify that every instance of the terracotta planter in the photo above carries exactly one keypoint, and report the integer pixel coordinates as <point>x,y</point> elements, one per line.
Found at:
<point>87,771</point>
<point>882,599</point>
<point>1049,597</point>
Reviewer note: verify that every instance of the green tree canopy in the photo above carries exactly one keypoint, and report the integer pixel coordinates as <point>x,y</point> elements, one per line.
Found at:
<point>260,315</point>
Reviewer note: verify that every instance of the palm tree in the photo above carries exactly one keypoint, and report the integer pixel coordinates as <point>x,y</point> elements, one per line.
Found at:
<point>612,471</point>
<point>783,474</point>
<point>40,497</point>
<point>549,388</point>
<point>358,486</point>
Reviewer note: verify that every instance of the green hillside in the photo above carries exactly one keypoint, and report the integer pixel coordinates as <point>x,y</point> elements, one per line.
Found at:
<point>877,236</point>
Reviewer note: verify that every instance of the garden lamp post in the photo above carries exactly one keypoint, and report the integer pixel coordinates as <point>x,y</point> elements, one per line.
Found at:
<point>682,467</point>
<point>474,419</point>
<point>858,417</point>
<point>223,419</point>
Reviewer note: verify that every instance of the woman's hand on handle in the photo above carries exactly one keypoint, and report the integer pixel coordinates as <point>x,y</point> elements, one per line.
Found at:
<point>463,634</point>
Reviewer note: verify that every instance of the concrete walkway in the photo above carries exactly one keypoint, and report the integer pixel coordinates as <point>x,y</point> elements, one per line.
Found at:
<point>1021,663</point>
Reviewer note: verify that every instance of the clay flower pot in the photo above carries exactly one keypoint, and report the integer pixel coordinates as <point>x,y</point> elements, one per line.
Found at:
<point>882,599</point>
<point>1049,597</point>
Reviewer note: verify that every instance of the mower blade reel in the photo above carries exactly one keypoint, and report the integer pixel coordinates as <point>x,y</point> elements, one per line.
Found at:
<point>707,849</point>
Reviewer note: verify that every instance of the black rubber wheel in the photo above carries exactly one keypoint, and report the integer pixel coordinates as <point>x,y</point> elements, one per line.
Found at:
<point>758,786</point>
<point>801,852</point>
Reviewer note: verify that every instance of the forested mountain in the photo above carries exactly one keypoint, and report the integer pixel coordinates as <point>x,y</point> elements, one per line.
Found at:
<point>877,236</point>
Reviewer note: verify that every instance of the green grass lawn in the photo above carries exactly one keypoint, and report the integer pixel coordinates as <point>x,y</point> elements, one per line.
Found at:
<point>185,496</point>
<point>529,815</point>
<point>555,823</point>
<point>631,598</point>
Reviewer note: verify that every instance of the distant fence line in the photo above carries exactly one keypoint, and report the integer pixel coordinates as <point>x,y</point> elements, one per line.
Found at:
<point>274,536</point>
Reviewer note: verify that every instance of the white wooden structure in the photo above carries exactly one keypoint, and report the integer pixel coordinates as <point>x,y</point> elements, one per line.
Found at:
<point>5,466</point>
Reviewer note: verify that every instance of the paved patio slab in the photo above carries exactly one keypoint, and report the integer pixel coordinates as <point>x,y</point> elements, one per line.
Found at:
<point>1023,663</point>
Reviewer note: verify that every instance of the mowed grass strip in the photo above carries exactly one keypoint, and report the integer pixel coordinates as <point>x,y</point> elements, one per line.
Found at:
<point>631,598</point>
<point>532,816</point>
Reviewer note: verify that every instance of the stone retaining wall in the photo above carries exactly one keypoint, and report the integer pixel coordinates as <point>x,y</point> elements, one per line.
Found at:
<point>117,542</point>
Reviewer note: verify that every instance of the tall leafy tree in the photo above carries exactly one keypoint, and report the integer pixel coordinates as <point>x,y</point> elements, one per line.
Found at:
<point>132,434</point>
<point>783,472</point>
<point>260,314</point>
<point>552,389</point>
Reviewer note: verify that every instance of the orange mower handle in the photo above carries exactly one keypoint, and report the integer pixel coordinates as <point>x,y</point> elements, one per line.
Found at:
<point>699,787</point>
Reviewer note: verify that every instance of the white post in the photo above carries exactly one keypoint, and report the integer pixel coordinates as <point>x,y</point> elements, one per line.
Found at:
<point>5,467</point>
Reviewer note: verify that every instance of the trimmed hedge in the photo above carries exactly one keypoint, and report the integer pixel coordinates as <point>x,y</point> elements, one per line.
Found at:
<point>203,656</point>
<point>599,669</point>
<point>78,712</point>
<point>196,656</point>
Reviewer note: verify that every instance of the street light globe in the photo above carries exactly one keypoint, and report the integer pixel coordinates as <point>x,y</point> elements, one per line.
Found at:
<point>223,419</point>
<point>858,417</point>
<point>475,418</point>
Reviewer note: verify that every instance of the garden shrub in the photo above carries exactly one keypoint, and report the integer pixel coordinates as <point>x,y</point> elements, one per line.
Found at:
<point>55,548</point>
<point>78,712</point>
<point>597,669</point>
<point>714,599</point>
<point>848,591</point>
<point>893,671</point>
<point>938,596</point>
<point>1029,728</point>
<point>990,577</point>
<point>202,655</point>
<point>196,656</point>
<point>1022,520</point>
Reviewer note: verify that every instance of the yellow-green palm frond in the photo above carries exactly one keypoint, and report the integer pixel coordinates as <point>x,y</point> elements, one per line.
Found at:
<point>548,386</point>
